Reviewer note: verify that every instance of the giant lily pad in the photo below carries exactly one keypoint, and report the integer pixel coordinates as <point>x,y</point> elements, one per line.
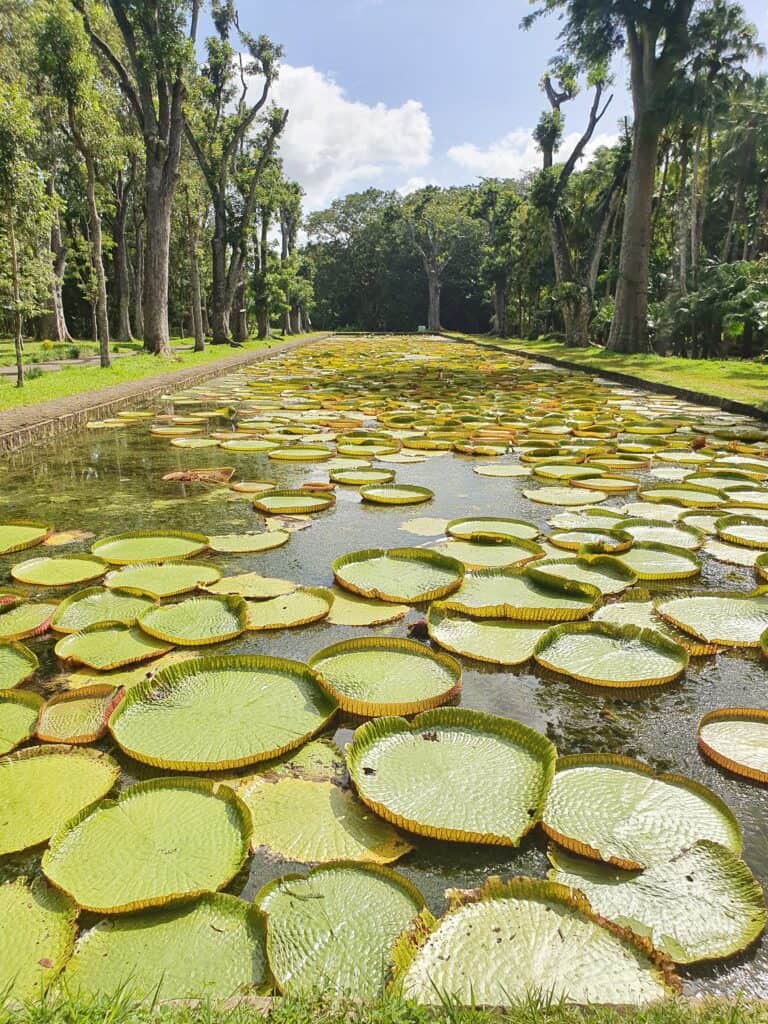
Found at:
<point>249,543</point>
<point>704,904</point>
<point>498,641</point>
<point>386,676</point>
<point>395,494</point>
<point>730,619</point>
<point>253,585</point>
<point>18,717</point>
<point>37,933</point>
<point>497,945</point>
<point>605,654</point>
<point>737,739</point>
<point>608,542</point>
<point>303,605</point>
<point>42,787</point>
<point>61,571</point>
<point>78,716</point>
<point>221,712</point>
<point>149,546</point>
<point>163,579</point>
<point>349,610</point>
<point>17,663</point>
<point>454,774</point>
<point>743,530</point>
<point>489,552</point>
<point>492,526</point>
<point>21,534</point>
<point>567,497</point>
<point>330,933</point>
<point>640,611</point>
<point>292,502</point>
<point>604,572</point>
<point>361,477</point>
<point>400,575</point>
<point>197,621</point>
<point>110,645</point>
<point>618,810</point>
<point>147,955</point>
<point>650,561</point>
<point>161,840</point>
<point>657,531</point>
<point>94,606</point>
<point>22,620</point>
<point>523,594</point>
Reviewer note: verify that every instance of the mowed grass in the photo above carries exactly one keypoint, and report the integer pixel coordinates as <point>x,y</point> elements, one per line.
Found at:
<point>79,379</point>
<point>121,1010</point>
<point>734,379</point>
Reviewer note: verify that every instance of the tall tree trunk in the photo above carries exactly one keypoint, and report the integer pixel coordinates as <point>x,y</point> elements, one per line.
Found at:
<point>295,320</point>
<point>18,341</point>
<point>261,297</point>
<point>138,283</point>
<point>500,309</point>
<point>122,276</point>
<point>196,295</point>
<point>53,323</point>
<point>434,287</point>
<point>158,196</point>
<point>629,328</point>
<point>574,302</point>
<point>682,215</point>
<point>97,260</point>
<point>220,304</point>
<point>239,316</point>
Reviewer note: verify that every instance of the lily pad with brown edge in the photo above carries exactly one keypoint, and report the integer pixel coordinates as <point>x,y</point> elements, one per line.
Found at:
<point>145,956</point>
<point>162,579</point>
<point>297,608</point>
<point>330,933</point>
<point>59,571</point>
<point>20,534</point>
<point>587,519</point>
<point>497,641</point>
<point>507,470</point>
<point>618,810</point>
<point>248,444</point>
<point>141,546</point>
<point>349,610</point>
<point>492,526</point>
<point>43,787</point>
<point>736,739</point>
<point>703,904</point>
<point>651,561</point>
<point>297,502</point>
<point>398,575</point>
<point>18,717</point>
<point>637,609</point>
<point>37,935</point>
<point>196,621</point>
<point>605,572</point>
<point>251,585</point>
<point>396,494</point>
<point>78,716</point>
<point>483,551</point>
<point>567,497</point>
<point>248,543</point>
<point>746,531</point>
<point>610,655</point>
<point>253,486</point>
<point>454,774</point>
<point>95,605</point>
<point>496,945</point>
<point>19,621</point>
<point>686,495</point>
<point>162,840</point>
<point>726,618</point>
<point>373,676</point>
<point>301,453</point>
<point>609,542</point>
<point>17,664</point>
<point>362,477</point>
<point>658,531</point>
<point>110,645</point>
<point>523,594</point>
<point>221,712</point>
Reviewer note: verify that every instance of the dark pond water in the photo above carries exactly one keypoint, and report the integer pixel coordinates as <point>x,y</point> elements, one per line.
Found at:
<point>110,481</point>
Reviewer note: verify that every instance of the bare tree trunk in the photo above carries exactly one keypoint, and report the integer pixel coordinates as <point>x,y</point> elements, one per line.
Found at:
<point>682,216</point>
<point>434,287</point>
<point>500,309</point>
<point>239,316</point>
<point>261,296</point>
<point>18,341</point>
<point>138,284</point>
<point>157,337</point>
<point>122,277</point>
<point>629,329</point>
<point>220,306</point>
<point>97,260</point>
<point>196,298</point>
<point>53,324</point>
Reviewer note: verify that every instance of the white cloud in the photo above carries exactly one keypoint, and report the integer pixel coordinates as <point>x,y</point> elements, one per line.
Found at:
<point>333,144</point>
<point>515,153</point>
<point>413,185</point>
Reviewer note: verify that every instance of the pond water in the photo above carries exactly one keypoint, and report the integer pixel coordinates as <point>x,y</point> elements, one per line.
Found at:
<point>109,480</point>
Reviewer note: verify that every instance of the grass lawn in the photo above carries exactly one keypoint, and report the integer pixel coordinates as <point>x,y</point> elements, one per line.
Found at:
<point>735,379</point>
<point>79,379</point>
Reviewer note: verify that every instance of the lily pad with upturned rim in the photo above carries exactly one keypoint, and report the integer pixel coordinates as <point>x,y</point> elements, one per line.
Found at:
<point>497,641</point>
<point>736,739</point>
<point>150,546</point>
<point>396,494</point>
<point>727,618</point>
<point>454,774</point>
<point>59,571</point>
<point>492,526</point>
<point>640,611</point>
<point>523,594</point>
<point>196,621</point>
<point>482,551</point>
<point>398,575</point>
<point>604,572</point>
<point>109,645</point>
<point>248,543</point>
<point>251,585</point>
<point>349,610</point>
<point>293,502</point>
<point>298,608</point>
<point>20,534</point>
<point>566,497</point>
<point>78,716</point>
<point>18,717</point>
<point>95,605</point>
<point>17,663</point>
<point>650,561</point>
<point>162,579</point>
<point>161,840</point>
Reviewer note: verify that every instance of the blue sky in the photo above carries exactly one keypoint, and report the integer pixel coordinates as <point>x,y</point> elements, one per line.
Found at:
<point>396,93</point>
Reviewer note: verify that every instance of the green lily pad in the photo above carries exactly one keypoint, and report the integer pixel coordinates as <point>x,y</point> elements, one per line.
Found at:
<point>727,619</point>
<point>492,526</point>
<point>362,477</point>
<point>604,572</point>
<point>605,654</point>
<point>399,575</point>
<point>94,606</point>
<point>349,610</point>
<point>301,453</point>
<point>703,904</point>
<point>641,612</point>
<point>21,534</point>
<point>37,934</point>
<point>454,774</point>
<point>221,712</point>
<point>498,641</point>
<point>162,840</point>
<point>737,739</point>
<point>651,561</point>
<point>18,717</point>
<point>743,530</point>
<point>142,546</point>
<point>330,933</point>
<point>251,584</point>
<point>17,663</point>
<point>42,787</point>
<point>682,494</point>
<point>196,621</point>
<point>303,605</point>
<point>293,502</point>
<point>386,676</point>
<point>78,716</point>
<point>497,945</point>
<point>108,645</point>
<point>61,571</point>
<point>657,531</point>
<point>565,496</point>
<point>523,594</point>
<point>618,810</point>
<point>396,494</point>
<point>489,552</point>
<point>146,955</point>
<point>163,579</point>
<point>608,542</point>
<point>249,543</point>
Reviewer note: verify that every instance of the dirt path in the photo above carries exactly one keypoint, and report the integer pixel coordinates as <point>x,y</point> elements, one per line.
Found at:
<point>34,424</point>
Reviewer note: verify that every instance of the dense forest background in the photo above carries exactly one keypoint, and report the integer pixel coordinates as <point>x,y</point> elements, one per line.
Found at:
<point>142,193</point>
